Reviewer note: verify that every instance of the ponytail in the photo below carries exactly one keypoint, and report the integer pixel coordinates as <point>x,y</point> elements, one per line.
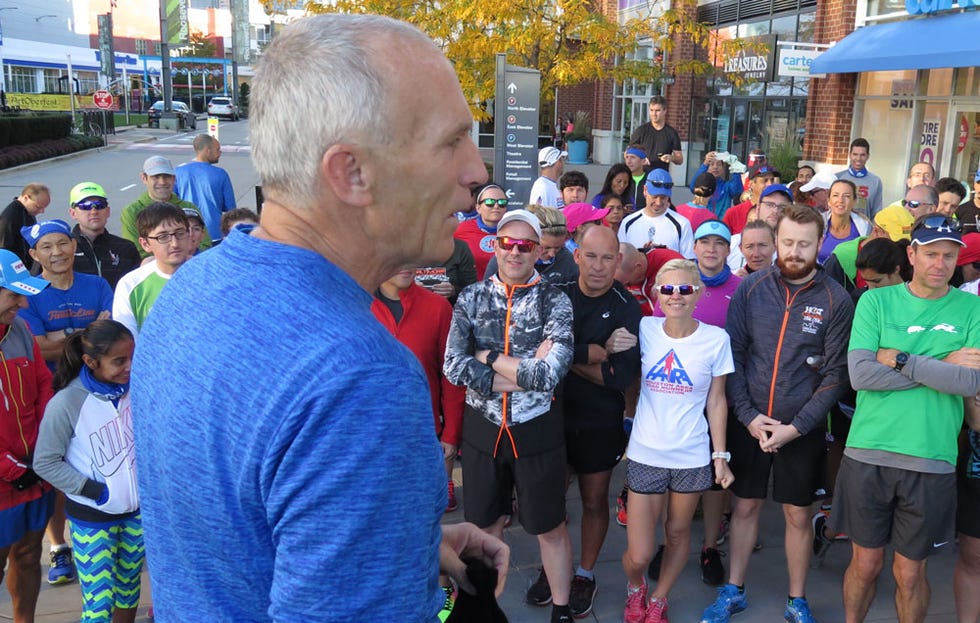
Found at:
<point>70,363</point>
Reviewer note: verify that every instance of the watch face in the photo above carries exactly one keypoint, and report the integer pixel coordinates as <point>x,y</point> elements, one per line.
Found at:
<point>902,358</point>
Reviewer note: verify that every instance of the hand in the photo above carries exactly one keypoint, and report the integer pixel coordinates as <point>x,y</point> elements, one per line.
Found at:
<point>779,435</point>
<point>597,353</point>
<point>465,540</point>
<point>444,288</point>
<point>756,427</point>
<point>966,357</point>
<point>886,356</point>
<point>665,158</point>
<point>106,315</point>
<point>620,340</point>
<point>543,349</point>
<point>709,158</point>
<point>481,356</point>
<point>723,473</point>
<point>27,480</point>
<point>448,451</point>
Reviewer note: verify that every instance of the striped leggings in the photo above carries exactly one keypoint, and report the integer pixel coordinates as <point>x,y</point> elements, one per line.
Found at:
<point>109,559</point>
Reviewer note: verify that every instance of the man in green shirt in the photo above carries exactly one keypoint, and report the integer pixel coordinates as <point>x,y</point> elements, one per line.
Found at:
<point>913,359</point>
<point>158,176</point>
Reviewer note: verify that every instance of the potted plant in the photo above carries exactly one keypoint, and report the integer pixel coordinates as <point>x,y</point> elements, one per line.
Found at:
<point>578,139</point>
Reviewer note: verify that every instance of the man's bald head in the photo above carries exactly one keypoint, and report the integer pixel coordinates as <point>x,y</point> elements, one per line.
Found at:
<point>633,268</point>
<point>600,238</point>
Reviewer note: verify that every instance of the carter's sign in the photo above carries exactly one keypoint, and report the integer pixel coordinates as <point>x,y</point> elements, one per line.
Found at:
<point>796,63</point>
<point>925,7</point>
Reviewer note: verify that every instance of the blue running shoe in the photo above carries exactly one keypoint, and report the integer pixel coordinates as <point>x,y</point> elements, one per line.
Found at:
<point>62,567</point>
<point>729,601</point>
<point>798,611</point>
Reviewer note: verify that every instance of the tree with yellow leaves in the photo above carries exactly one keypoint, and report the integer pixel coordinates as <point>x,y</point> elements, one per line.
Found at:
<point>568,41</point>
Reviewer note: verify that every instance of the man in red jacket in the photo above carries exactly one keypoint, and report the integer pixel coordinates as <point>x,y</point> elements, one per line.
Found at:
<point>26,502</point>
<point>420,320</point>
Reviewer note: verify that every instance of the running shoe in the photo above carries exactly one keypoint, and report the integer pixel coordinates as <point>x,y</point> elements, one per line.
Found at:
<point>712,571</point>
<point>62,566</point>
<point>561,614</point>
<point>730,601</point>
<point>726,520</point>
<point>447,606</point>
<point>821,543</point>
<point>636,604</point>
<point>656,611</point>
<point>653,571</point>
<point>453,504</point>
<point>798,611</point>
<point>621,510</point>
<point>582,595</point>
<point>539,593</point>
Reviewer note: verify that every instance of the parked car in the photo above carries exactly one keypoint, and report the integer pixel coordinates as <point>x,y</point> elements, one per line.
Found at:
<point>180,109</point>
<point>223,107</point>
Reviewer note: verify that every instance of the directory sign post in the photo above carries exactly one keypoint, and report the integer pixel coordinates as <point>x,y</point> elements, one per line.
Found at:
<point>515,115</point>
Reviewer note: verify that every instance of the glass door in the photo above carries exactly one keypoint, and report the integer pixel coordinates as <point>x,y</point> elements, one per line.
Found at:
<point>962,142</point>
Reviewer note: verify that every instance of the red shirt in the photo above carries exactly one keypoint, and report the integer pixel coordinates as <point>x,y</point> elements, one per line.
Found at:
<point>424,328</point>
<point>643,293</point>
<point>737,216</point>
<point>695,214</point>
<point>480,242</point>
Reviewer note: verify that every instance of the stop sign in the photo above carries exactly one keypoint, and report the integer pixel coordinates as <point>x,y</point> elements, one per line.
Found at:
<point>102,99</point>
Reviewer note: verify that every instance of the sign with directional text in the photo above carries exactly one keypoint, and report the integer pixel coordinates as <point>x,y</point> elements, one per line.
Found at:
<point>515,116</point>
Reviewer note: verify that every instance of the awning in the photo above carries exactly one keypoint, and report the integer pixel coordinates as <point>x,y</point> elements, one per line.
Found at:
<point>926,42</point>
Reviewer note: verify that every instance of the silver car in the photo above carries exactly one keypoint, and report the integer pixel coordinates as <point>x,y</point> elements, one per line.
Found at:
<point>179,108</point>
<point>223,107</point>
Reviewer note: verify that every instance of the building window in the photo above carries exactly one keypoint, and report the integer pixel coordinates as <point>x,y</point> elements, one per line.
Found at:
<point>51,83</point>
<point>21,79</point>
<point>141,47</point>
<point>88,81</point>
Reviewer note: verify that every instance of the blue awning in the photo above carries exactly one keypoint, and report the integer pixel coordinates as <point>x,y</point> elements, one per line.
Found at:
<point>928,42</point>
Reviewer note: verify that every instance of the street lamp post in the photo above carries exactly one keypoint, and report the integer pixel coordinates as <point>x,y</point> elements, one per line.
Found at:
<point>3,71</point>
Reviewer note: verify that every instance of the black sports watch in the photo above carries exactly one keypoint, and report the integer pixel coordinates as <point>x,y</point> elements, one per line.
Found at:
<point>900,360</point>
<point>492,357</point>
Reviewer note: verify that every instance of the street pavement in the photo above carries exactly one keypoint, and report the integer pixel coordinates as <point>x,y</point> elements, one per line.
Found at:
<point>766,580</point>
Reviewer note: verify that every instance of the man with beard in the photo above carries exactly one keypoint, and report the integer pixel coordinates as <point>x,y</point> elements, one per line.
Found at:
<point>781,424</point>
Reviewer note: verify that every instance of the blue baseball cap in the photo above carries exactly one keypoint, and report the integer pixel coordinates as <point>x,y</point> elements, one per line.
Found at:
<point>713,227</point>
<point>776,188</point>
<point>15,277</point>
<point>659,183</point>
<point>33,233</point>
<point>976,178</point>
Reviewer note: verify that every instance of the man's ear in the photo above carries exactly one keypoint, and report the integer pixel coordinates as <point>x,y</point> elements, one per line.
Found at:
<point>347,170</point>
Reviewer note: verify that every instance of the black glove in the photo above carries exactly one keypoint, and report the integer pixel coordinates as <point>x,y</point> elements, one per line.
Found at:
<point>27,480</point>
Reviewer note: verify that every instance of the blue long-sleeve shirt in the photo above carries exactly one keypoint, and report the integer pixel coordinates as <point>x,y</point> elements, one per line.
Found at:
<point>276,401</point>
<point>726,191</point>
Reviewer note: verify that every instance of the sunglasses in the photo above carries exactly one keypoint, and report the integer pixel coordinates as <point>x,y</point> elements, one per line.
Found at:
<point>683,290</point>
<point>939,223</point>
<point>661,184</point>
<point>490,202</point>
<point>912,205</point>
<point>92,204</point>
<point>523,245</point>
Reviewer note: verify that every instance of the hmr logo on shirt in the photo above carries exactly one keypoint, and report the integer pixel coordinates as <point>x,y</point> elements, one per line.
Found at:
<point>668,376</point>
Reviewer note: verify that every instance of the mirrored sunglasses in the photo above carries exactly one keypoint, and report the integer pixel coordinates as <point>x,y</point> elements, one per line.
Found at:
<point>92,204</point>
<point>523,245</point>
<point>684,290</point>
<point>490,202</point>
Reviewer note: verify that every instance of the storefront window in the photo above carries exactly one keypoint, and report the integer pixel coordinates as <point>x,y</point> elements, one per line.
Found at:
<point>939,82</point>
<point>21,79</point>
<point>900,82</point>
<point>929,142</point>
<point>785,27</point>
<point>51,80</point>
<point>808,22</point>
<point>968,81</point>
<point>878,8</point>
<point>753,29</point>
<point>881,123</point>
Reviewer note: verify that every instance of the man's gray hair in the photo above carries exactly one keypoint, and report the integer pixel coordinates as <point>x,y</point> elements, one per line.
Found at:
<point>318,84</point>
<point>932,196</point>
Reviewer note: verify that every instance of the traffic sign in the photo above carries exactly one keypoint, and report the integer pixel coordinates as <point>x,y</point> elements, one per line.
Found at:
<point>102,99</point>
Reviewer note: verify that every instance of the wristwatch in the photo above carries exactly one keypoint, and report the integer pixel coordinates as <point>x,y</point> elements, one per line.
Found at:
<point>900,360</point>
<point>725,456</point>
<point>492,357</point>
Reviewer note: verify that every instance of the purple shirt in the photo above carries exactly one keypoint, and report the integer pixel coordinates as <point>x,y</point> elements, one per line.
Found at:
<point>713,307</point>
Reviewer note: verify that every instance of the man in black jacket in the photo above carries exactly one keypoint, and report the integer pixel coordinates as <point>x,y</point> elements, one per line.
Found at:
<point>98,252</point>
<point>22,212</point>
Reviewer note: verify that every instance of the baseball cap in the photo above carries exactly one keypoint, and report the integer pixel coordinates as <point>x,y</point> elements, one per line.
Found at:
<point>15,277</point>
<point>84,191</point>
<point>762,169</point>
<point>33,233</point>
<point>192,213</point>
<point>713,227</point>
<point>776,188</point>
<point>578,213</point>
<point>659,182</point>
<point>894,222</point>
<point>706,181</point>
<point>976,178</point>
<point>822,180</point>
<point>971,253</point>
<point>157,165</point>
<point>524,217</point>
<point>936,227</point>
<point>548,156</point>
